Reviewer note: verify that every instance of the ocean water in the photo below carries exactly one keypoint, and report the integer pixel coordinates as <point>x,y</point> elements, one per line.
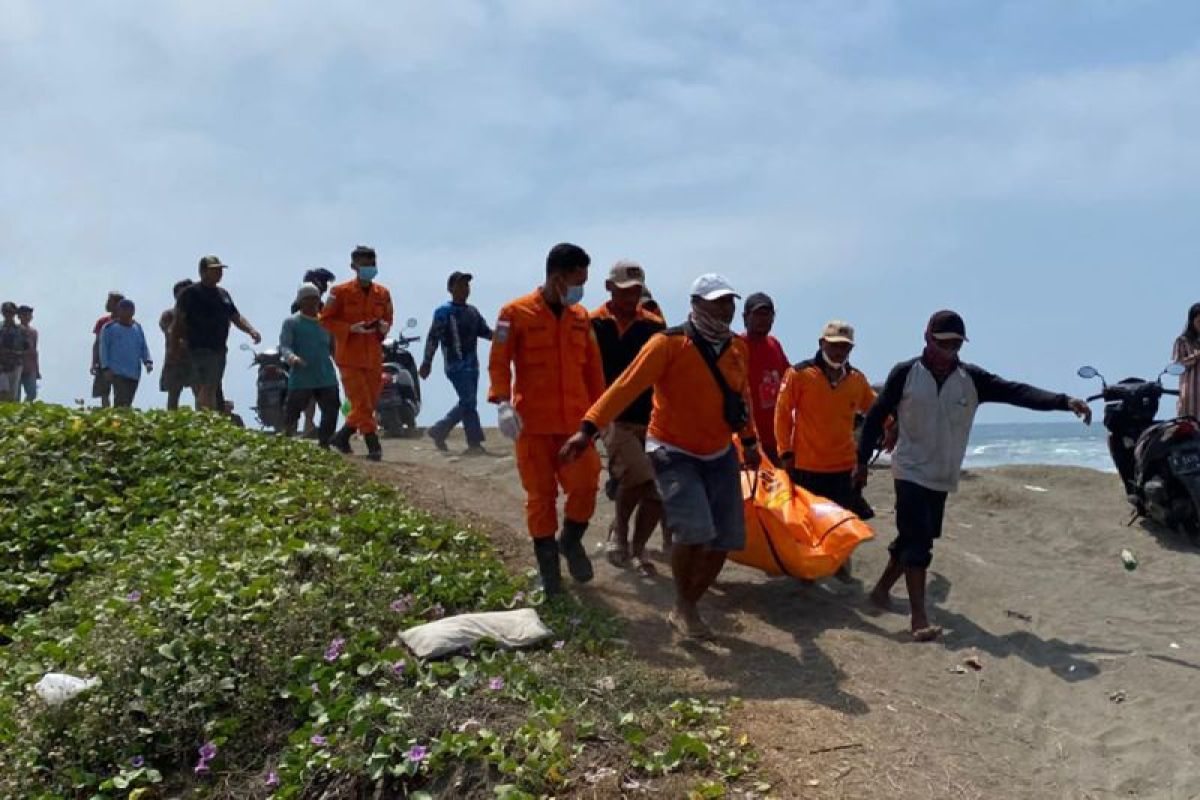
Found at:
<point>1059,443</point>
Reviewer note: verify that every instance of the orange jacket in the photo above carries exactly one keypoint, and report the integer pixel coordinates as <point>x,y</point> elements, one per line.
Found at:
<point>557,364</point>
<point>814,420</point>
<point>350,303</point>
<point>689,410</point>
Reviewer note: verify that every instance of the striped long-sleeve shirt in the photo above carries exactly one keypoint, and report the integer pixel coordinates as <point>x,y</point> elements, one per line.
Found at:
<point>1188,353</point>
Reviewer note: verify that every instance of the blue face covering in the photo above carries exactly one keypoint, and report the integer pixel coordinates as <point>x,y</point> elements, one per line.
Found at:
<point>367,274</point>
<point>573,295</point>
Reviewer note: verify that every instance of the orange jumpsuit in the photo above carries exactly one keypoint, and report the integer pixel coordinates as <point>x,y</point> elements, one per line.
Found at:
<point>359,356</point>
<point>558,375</point>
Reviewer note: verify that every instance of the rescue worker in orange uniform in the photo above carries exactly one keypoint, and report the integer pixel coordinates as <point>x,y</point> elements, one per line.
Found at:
<point>359,315</point>
<point>546,371</point>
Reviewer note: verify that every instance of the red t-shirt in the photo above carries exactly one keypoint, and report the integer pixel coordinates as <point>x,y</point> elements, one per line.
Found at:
<point>100,323</point>
<point>768,364</point>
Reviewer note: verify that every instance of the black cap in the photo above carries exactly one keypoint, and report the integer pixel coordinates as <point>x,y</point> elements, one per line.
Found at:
<point>9,307</point>
<point>24,309</point>
<point>455,277</point>
<point>362,251</point>
<point>947,324</point>
<point>757,300</point>
<point>212,261</point>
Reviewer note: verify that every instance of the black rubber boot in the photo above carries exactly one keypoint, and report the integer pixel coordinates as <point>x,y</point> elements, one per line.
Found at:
<point>570,541</point>
<point>341,439</point>
<point>374,448</point>
<point>546,551</point>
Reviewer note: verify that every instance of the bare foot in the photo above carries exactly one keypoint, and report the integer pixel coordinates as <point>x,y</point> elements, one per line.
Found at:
<point>616,551</point>
<point>643,567</point>
<point>690,626</point>
<point>882,601</point>
<point>616,556</point>
<point>927,633</point>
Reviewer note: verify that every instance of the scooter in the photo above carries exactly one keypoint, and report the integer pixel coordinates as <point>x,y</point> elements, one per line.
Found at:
<point>1158,461</point>
<point>271,385</point>
<point>400,399</point>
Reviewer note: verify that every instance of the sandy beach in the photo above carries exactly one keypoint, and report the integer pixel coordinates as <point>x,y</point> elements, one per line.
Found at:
<point>1087,673</point>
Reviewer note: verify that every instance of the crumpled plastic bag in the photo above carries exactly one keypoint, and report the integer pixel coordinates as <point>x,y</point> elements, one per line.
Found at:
<point>519,628</point>
<point>56,688</point>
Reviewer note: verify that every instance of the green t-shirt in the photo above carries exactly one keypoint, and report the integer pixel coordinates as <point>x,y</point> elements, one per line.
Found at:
<point>304,336</point>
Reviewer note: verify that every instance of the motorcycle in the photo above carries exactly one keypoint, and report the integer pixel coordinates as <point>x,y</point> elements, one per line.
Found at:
<point>400,399</point>
<point>1158,461</point>
<point>271,385</point>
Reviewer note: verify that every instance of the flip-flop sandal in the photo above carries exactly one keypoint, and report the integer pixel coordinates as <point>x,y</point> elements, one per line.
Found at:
<point>927,634</point>
<point>617,556</point>
<point>696,631</point>
<point>644,567</point>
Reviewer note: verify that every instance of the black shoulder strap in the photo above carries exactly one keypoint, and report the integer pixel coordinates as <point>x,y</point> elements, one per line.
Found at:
<point>710,358</point>
<point>678,330</point>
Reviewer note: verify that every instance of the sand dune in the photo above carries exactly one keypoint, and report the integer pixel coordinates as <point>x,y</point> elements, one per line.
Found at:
<point>1088,686</point>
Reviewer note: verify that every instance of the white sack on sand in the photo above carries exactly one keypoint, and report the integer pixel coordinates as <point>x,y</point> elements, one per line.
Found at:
<point>519,628</point>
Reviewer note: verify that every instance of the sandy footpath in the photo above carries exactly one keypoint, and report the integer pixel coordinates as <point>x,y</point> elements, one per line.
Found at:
<point>1090,678</point>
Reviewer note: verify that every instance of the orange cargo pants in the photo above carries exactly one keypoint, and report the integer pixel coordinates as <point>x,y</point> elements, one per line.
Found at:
<point>542,474</point>
<point>362,386</point>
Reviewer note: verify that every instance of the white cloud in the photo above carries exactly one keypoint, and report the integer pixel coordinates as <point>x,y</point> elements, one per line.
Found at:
<point>743,137</point>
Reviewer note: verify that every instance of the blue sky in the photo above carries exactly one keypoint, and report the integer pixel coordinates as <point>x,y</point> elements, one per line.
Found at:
<point>1034,165</point>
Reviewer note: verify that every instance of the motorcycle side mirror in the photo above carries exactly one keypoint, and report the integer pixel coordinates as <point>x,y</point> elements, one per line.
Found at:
<point>411,322</point>
<point>1087,373</point>
<point>1175,370</point>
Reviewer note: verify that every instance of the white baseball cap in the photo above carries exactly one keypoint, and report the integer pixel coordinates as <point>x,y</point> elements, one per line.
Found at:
<point>713,287</point>
<point>626,274</point>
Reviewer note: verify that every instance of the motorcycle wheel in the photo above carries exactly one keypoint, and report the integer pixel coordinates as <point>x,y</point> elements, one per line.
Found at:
<point>408,417</point>
<point>391,420</point>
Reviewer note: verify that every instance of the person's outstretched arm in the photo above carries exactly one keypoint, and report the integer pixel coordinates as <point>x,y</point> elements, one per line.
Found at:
<point>994,389</point>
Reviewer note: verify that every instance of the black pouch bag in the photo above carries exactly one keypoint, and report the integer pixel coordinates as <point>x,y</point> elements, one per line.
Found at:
<point>737,414</point>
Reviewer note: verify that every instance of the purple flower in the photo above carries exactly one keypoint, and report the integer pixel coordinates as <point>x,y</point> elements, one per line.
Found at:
<point>437,612</point>
<point>201,767</point>
<point>137,762</point>
<point>519,597</point>
<point>400,606</point>
<point>417,753</point>
<point>272,779</point>
<point>398,669</point>
<point>560,644</point>
<point>335,649</point>
<point>319,740</point>
<point>496,684</point>
<point>134,596</point>
<point>208,751</point>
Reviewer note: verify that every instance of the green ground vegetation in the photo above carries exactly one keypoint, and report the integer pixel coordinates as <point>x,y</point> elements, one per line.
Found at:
<point>239,597</point>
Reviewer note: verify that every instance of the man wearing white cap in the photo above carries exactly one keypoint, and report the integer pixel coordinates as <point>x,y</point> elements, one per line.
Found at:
<point>307,348</point>
<point>699,374</point>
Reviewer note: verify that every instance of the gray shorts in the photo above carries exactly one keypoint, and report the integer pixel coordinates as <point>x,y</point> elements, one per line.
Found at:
<point>101,386</point>
<point>175,377</point>
<point>702,500</point>
<point>208,367</point>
